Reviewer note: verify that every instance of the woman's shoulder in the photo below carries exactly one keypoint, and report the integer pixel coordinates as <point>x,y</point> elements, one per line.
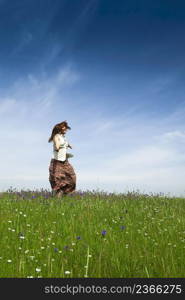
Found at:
<point>57,136</point>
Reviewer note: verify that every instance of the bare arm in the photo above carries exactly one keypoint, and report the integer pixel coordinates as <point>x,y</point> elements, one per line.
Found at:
<point>56,141</point>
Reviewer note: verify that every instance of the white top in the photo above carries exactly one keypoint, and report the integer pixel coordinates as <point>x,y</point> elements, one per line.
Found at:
<point>61,154</point>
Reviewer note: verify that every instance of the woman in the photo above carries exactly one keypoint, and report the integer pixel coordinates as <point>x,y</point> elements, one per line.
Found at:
<point>62,176</point>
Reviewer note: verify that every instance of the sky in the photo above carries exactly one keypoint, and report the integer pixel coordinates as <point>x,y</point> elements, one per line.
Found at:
<point>115,71</point>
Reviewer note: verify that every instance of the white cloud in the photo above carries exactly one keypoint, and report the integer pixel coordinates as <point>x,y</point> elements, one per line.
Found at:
<point>28,112</point>
<point>114,154</point>
<point>7,105</point>
<point>173,136</point>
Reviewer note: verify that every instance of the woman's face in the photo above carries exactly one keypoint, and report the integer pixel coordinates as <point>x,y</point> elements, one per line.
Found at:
<point>63,129</point>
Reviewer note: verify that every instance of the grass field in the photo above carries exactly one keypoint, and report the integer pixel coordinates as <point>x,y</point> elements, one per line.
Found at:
<point>91,234</point>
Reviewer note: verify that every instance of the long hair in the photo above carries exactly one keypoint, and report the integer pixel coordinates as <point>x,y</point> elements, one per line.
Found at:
<point>58,129</point>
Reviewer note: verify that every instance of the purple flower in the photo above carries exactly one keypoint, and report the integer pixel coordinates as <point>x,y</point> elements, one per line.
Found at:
<point>56,249</point>
<point>66,247</point>
<point>122,227</point>
<point>78,237</point>
<point>103,232</point>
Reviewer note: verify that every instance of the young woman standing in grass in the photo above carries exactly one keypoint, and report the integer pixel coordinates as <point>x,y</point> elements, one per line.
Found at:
<point>62,176</point>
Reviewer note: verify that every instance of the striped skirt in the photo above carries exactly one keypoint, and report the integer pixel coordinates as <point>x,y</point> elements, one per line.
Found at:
<point>62,176</point>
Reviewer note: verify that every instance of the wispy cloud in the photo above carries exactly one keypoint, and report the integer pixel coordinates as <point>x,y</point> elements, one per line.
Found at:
<point>27,114</point>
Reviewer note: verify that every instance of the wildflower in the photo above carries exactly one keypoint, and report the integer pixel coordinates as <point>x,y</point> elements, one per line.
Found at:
<point>56,249</point>
<point>9,260</point>
<point>66,247</point>
<point>78,238</point>
<point>67,272</point>
<point>21,235</point>
<point>37,269</point>
<point>103,232</point>
<point>26,251</point>
<point>122,227</point>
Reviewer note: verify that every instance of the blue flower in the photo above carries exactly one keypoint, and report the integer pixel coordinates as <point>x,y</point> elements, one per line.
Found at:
<point>103,232</point>
<point>56,249</point>
<point>122,227</point>
<point>78,237</point>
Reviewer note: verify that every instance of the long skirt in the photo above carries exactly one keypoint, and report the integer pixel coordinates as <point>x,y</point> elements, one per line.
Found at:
<point>62,176</point>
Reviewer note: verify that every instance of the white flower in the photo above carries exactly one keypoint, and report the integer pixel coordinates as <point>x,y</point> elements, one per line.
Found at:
<point>9,260</point>
<point>9,221</point>
<point>67,272</point>
<point>26,251</point>
<point>37,269</point>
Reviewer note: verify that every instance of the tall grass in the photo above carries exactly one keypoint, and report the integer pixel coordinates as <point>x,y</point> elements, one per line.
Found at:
<point>91,234</point>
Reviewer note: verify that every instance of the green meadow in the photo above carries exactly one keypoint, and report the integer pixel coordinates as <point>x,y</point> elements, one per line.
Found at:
<point>91,234</point>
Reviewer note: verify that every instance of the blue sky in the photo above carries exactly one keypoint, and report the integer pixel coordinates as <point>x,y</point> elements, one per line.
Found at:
<point>115,71</point>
